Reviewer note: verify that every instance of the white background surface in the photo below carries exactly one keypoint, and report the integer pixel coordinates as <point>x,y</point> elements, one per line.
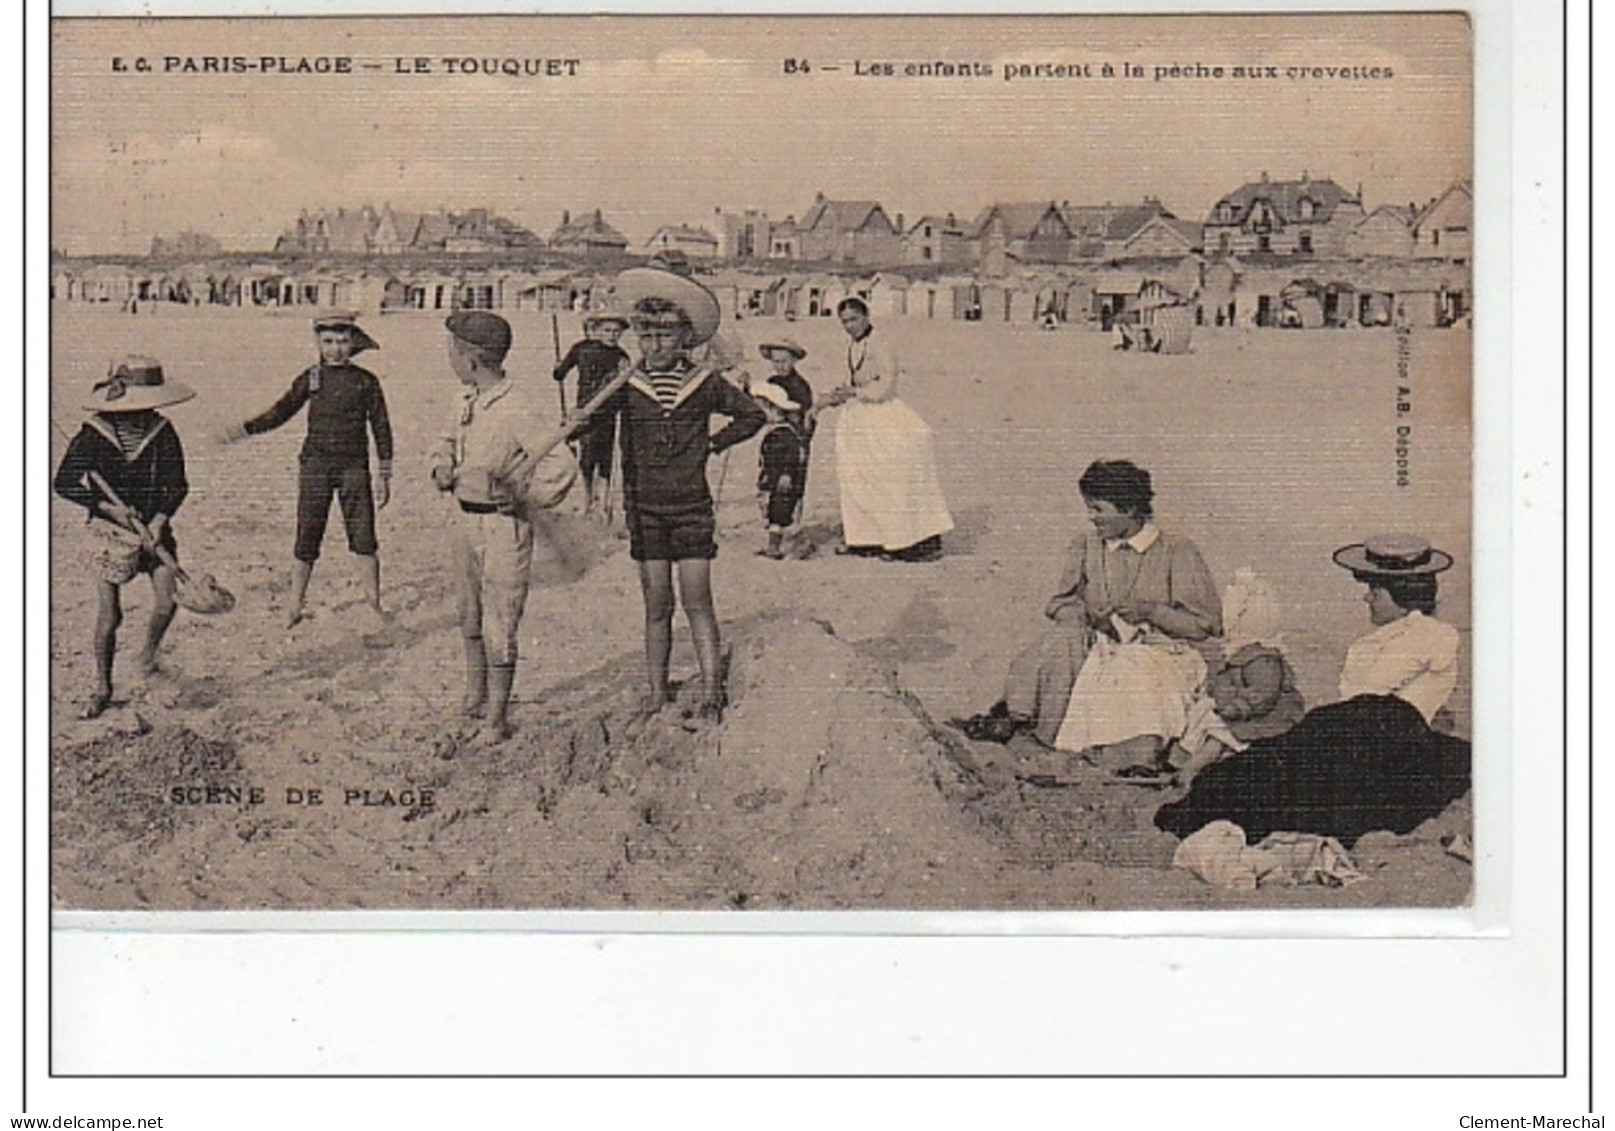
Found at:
<point>508,1000</point>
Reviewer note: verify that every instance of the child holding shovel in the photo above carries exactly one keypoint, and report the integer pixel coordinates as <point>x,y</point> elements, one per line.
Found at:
<point>132,448</point>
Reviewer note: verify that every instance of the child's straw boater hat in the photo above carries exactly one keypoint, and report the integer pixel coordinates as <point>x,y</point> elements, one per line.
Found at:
<point>787,344</point>
<point>605,318</point>
<point>346,320</point>
<point>775,396</point>
<point>699,305</point>
<point>1392,556</point>
<point>135,384</point>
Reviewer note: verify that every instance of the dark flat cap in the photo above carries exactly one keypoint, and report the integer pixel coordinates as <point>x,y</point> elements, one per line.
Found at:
<point>480,328</point>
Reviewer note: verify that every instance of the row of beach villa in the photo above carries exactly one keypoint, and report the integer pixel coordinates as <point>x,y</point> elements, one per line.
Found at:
<point>1303,254</point>
<point>1255,291</point>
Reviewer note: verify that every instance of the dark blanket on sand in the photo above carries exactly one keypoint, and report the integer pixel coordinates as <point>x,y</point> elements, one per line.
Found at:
<point>1344,770</point>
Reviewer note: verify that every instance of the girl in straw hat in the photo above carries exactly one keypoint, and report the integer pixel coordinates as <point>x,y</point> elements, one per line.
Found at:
<point>134,449</point>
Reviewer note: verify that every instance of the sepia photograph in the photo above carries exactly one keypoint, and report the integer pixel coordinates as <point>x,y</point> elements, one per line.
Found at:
<point>753,464</point>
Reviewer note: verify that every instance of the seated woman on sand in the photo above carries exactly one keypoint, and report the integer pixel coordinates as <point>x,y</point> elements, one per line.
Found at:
<point>1119,668</point>
<point>1373,760</point>
<point>1149,600</point>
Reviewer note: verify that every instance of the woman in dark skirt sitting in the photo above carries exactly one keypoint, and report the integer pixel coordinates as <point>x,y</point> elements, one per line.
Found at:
<point>1373,760</point>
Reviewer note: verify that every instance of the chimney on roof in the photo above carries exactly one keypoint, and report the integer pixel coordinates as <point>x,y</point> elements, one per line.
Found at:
<point>566,217</point>
<point>900,227</point>
<point>1303,176</point>
<point>818,198</point>
<point>1264,176</point>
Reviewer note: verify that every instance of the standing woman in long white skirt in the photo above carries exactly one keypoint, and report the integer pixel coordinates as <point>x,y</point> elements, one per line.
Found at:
<point>891,500</point>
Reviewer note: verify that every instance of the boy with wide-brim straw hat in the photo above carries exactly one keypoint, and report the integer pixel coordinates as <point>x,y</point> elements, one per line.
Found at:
<point>666,409</point>
<point>344,401</point>
<point>493,461</point>
<point>136,452</point>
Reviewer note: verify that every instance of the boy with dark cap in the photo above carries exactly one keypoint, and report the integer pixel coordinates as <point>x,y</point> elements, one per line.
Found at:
<point>596,358</point>
<point>343,401</point>
<point>493,460</point>
<point>666,412</point>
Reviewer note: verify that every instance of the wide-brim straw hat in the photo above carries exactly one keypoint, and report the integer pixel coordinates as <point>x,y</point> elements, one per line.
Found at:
<point>775,396</point>
<point>699,305</point>
<point>135,384</point>
<point>346,320</point>
<point>787,344</point>
<point>1393,555</point>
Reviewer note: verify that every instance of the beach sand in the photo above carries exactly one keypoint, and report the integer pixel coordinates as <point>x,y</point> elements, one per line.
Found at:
<point>831,783</point>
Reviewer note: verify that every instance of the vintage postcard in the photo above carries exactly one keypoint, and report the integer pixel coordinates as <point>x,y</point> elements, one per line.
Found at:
<point>763,464</point>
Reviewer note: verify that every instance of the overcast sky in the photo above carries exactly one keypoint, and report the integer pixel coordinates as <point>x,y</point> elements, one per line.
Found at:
<point>666,119</point>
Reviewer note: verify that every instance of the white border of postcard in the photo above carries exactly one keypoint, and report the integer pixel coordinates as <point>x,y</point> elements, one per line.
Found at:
<point>418,993</point>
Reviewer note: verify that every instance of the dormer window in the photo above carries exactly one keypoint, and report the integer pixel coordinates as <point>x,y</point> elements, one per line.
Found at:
<point>1306,208</point>
<point>1225,213</point>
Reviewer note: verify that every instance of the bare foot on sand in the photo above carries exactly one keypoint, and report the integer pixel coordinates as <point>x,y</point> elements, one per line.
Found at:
<point>474,706</point>
<point>96,705</point>
<point>296,617</point>
<point>709,713</point>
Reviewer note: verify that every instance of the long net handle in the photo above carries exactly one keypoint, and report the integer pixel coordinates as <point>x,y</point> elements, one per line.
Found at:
<point>158,548</point>
<point>596,403</point>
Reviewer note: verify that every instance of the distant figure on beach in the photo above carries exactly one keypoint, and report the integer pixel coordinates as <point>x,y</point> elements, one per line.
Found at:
<point>596,358</point>
<point>135,451</point>
<point>891,498</point>
<point>1131,334</point>
<point>666,412</point>
<point>344,401</point>
<point>491,461</point>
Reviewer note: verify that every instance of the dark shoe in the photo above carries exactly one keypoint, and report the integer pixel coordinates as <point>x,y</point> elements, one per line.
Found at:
<point>996,725</point>
<point>925,550</point>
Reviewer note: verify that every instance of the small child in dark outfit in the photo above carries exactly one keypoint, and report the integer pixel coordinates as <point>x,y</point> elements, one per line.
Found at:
<point>597,359</point>
<point>343,400</point>
<point>782,459</point>
<point>135,451</point>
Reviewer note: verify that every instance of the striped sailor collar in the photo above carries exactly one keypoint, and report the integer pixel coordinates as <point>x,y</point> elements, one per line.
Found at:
<point>685,369</point>
<point>105,428</point>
